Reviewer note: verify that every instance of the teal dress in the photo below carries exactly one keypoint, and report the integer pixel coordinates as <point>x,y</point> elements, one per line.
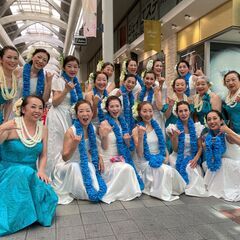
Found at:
<point>25,198</point>
<point>206,107</point>
<point>233,114</point>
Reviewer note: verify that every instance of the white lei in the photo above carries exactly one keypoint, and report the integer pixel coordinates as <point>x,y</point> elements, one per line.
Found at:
<point>198,103</point>
<point>24,135</point>
<point>175,98</point>
<point>231,101</point>
<point>4,88</point>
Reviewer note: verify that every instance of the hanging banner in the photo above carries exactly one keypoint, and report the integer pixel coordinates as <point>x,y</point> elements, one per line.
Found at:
<point>89,18</point>
<point>152,35</point>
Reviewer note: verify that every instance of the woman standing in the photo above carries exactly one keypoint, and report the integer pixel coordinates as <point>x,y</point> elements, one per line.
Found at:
<point>33,80</point>
<point>25,195</point>
<point>66,92</point>
<point>232,101</point>
<point>8,80</point>
<point>160,180</point>
<point>187,149</point>
<point>120,174</point>
<point>222,160</point>
<point>95,97</point>
<point>205,100</point>
<point>77,172</point>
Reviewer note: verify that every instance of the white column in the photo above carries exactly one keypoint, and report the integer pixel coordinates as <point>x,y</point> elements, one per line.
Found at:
<point>107,36</point>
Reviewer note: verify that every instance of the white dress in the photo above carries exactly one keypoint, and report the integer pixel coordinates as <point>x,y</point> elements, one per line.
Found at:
<point>163,182</point>
<point>58,121</point>
<point>120,177</point>
<point>196,186</point>
<point>67,179</point>
<point>225,183</point>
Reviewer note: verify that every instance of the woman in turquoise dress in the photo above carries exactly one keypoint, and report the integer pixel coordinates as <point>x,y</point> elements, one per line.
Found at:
<point>25,194</point>
<point>204,100</point>
<point>232,102</point>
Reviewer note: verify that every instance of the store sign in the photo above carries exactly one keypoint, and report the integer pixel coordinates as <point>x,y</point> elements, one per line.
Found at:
<point>80,40</point>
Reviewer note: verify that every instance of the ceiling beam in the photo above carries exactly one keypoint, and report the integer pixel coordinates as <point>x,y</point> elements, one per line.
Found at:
<point>58,9</point>
<point>6,6</point>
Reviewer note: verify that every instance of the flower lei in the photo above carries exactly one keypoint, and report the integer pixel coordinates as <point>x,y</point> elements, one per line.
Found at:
<point>155,160</point>
<point>76,94</point>
<point>93,194</point>
<point>26,81</point>
<point>187,78</point>
<point>128,102</point>
<point>6,94</point>
<point>121,146</point>
<point>231,101</point>
<point>143,93</point>
<point>199,102</point>
<point>182,161</point>
<point>215,147</point>
<point>99,106</point>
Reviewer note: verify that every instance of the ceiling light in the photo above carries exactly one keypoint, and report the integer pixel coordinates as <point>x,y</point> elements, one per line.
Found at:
<point>187,17</point>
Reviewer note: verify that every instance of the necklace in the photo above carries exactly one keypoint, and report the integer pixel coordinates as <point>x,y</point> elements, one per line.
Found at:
<point>4,88</point>
<point>93,194</point>
<point>24,135</point>
<point>26,81</point>
<point>231,100</point>
<point>155,160</point>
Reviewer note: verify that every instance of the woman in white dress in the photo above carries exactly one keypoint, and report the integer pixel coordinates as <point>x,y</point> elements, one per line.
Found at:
<point>222,155</point>
<point>187,149</point>
<point>161,180</point>
<point>120,174</point>
<point>95,97</point>
<point>32,79</point>
<point>153,95</point>
<point>66,92</point>
<point>77,172</point>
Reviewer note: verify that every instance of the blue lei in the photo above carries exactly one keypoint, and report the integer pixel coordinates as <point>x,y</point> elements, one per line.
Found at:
<point>127,108</point>
<point>121,146</point>
<point>187,77</point>
<point>93,194</point>
<point>182,161</point>
<point>215,147</point>
<point>76,94</point>
<point>139,79</point>
<point>26,81</point>
<point>143,93</point>
<point>101,116</point>
<point>155,160</point>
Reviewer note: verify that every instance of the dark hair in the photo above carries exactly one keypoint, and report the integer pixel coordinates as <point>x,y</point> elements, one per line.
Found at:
<point>215,111</point>
<point>139,108</point>
<point>231,72</point>
<point>80,103</point>
<point>111,98</point>
<point>26,101</point>
<point>96,74</point>
<point>182,61</point>
<point>4,49</point>
<point>174,82</point>
<point>107,64</point>
<point>70,58</point>
<point>40,50</point>
<point>150,72</point>
<point>128,76</point>
<point>154,61</point>
<point>129,60</point>
<point>182,103</point>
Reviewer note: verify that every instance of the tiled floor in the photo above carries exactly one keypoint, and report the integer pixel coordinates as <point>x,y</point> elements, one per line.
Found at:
<point>147,218</point>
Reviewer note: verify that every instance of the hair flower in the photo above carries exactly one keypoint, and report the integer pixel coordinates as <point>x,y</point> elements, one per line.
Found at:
<point>17,107</point>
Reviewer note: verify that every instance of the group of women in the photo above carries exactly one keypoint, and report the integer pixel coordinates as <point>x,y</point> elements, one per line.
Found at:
<point>110,143</point>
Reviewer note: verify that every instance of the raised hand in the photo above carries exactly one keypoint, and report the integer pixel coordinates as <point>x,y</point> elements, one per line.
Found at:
<point>127,138</point>
<point>75,138</point>
<point>161,80</point>
<point>141,130</point>
<point>49,77</point>
<point>9,125</point>
<point>69,86</point>
<point>104,128</point>
<point>95,99</point>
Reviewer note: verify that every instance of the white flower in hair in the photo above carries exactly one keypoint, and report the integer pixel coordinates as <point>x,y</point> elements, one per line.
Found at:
<point>103,104</point>
<point>91,78</point>
<point>134,110</point>
<point>73,112</point>
<point>17,107</point>
<point>124,71</point>
<point>149,65</point>
<point>30,53</point>
<point>99,66</point>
